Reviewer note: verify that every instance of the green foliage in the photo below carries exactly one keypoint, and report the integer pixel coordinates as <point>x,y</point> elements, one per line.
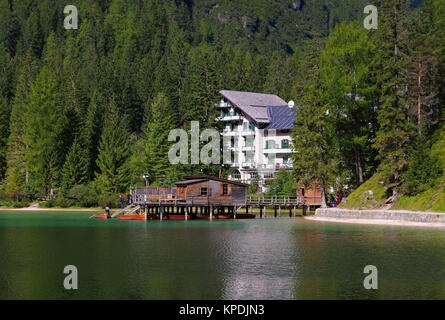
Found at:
<point>83,196</point>
<point>154,142</point>
<point>254,187</point>
<point>110,200</point>
<point>423,170</point>
<point>75,169</point>
<point>395,132</point>
<point>162,63</point>
<point>283,184</point>
<point>370,195</point>
<point>112,163</point>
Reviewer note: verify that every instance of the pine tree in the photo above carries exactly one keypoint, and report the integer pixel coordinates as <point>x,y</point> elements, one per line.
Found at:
<point>315,159</point>
<point>394,136</point>
<point>156,129</point>
<point>75,169</point>
<point>423,169</point>
<point>202,88</point>
<point>4,134</point>
<point>17,174</point>
<point>113,155</point>
<point>422,69</point>
<point>350,95</point>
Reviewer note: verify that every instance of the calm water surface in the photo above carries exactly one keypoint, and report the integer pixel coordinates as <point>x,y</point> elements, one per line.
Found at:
<point>243,259</point>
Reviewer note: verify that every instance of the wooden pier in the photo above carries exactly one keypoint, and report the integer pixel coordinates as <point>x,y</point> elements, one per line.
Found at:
<point>209,198</point>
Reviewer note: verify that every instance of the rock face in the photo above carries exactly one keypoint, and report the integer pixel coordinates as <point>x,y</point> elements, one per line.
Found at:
<point>389,215</point>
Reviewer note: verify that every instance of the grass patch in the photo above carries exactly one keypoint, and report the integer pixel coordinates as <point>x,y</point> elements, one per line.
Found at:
<point>369,195</point>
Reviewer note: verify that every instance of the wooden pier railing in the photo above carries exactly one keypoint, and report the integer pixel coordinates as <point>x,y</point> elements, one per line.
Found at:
<point>139,199</point>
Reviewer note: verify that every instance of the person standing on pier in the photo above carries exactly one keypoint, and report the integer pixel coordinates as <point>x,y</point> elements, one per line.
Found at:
<point>121,199</point>
<point>107,210</point>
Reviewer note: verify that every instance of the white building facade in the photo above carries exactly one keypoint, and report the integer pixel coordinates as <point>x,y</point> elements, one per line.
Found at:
<point>258,128</point>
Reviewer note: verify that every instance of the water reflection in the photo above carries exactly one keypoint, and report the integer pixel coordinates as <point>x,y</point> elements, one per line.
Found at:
<point>261,259</point>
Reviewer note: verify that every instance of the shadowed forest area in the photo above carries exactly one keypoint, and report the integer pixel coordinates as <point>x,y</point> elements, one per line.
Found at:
<point>86,113</point>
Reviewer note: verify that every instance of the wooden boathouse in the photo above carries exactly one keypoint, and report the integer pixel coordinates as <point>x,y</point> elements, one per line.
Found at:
<point>207,197</point>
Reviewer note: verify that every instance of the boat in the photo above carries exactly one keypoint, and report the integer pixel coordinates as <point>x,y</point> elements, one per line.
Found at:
<point>103,216</point>
<point>132,217</point>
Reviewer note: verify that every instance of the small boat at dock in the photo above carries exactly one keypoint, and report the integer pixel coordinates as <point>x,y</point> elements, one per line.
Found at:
<point>132,217</point>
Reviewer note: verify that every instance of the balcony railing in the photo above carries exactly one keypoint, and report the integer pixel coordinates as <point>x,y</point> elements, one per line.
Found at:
<point>277,150</point>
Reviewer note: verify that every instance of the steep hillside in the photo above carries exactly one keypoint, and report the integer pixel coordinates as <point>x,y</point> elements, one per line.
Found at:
<point>372,194</point>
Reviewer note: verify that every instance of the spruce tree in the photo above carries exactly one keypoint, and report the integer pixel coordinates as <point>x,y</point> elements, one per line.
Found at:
<point>423,169</point>
<point>75,169</point>
<point>350,95</point>
<point>202,86</point>
<point>17,174</point>
<point>422,69</point>
<point>156,129</point>
<point>4,134</point>
<point>112,176</point>
<point>396,128</point>
<point>316,158</point>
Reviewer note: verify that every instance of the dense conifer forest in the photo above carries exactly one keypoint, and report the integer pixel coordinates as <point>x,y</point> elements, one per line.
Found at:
<point>87,112</point>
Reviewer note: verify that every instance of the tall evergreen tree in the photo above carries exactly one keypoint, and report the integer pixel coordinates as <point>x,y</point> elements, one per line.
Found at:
<point>422,69</point>
<point>4,134</point>
<point>394,136</point>
<point>112,175</point>
<point>156,129</point>
<point>350,96</point>
<point>316,159</point>
<point>17,174</point>
<point>75,169</point>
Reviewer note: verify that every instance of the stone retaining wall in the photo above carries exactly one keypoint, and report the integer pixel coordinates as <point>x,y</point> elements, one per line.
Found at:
<point>389,215</point>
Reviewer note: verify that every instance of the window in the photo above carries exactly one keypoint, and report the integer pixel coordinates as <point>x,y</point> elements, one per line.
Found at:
<point>225,189</point>
<point>285,160</point>
<point>285,144</point>
<point>245,126</point>
<point>270,144</point>
<point>203,191</point>
<point>252,127</point>
<point>236,175</point>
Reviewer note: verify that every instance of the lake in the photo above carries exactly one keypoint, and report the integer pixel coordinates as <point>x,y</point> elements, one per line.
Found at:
<point>285,258</point>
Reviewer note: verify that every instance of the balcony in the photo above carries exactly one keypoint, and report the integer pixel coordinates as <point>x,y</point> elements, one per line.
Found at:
<point>278,151</point>
<point>229,133</point>
<point>223,104</point>
<point>247,133</point>
<point>249,148</point>
<point>248,165</point>
<point>229,118</point>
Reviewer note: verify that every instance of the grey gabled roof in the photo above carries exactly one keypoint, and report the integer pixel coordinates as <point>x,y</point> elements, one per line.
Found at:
<point>201,178</point>
<point>254,105</point>
<point>281,117</point>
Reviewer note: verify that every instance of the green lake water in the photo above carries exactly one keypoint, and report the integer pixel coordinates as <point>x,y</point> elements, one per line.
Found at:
<point>244,259</point>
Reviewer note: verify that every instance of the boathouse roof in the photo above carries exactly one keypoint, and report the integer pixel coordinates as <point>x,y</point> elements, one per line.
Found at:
<point>202,178</point>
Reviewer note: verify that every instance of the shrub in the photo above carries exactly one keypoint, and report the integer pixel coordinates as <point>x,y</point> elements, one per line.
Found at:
<point>423,170</point>
<point>83,196</point>
<point>283,184</point>
<point>111,200</point>
<point>14,204</point>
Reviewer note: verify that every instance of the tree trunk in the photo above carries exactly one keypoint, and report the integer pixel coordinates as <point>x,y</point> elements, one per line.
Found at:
<point>323,194</point>
<point>358,166</point>
<point>419,96</point>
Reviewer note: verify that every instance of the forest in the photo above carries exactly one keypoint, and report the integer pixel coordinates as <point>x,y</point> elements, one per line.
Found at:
<point>86,113</point>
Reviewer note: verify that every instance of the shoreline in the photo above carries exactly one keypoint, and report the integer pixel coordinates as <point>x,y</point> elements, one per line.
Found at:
<point>31,209</point>
<point>380,217</point>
